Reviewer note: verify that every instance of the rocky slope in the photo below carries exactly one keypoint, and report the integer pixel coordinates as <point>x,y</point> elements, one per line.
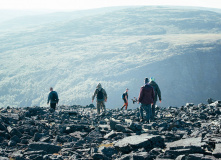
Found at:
<point>76,132</point>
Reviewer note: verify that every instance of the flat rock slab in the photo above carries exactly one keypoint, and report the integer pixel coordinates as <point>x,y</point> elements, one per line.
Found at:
<point>146,141</point>
<point>217,151</point>
<point>185,146</point>
<point>49,148</point>
<point>186,143</point>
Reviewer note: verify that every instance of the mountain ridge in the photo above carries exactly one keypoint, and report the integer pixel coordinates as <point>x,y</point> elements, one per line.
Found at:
<point>119,51</point>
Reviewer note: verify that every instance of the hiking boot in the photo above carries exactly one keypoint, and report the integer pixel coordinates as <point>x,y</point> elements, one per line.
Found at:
<point>148,122</point>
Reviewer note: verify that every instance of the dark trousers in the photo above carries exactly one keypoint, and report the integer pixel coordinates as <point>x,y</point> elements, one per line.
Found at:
<point>153,110</point>
<point>147,109</point>
<point>53,105</point>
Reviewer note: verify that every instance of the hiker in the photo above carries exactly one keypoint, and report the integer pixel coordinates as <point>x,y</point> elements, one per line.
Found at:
<point>157,93</point>
<point>101,95</point>
<point>125,99</point>
<point>53,98</point>
<point>146,98</point>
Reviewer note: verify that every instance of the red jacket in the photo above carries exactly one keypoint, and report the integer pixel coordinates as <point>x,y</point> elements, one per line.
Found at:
<point>146,94</point>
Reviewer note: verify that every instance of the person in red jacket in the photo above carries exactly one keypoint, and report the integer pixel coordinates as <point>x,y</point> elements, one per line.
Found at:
<point>146,98</point>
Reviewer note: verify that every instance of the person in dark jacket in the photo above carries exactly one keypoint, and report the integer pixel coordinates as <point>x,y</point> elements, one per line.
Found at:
<point>101,96</point>
<point>146,98</point>
<point>157,93</point>
<point>53,98</point>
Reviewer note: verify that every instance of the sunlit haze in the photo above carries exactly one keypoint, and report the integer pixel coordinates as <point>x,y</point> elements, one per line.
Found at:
<point>90,4</point>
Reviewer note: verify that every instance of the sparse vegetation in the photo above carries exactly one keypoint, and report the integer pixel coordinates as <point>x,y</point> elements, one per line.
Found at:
<point>180,47</point>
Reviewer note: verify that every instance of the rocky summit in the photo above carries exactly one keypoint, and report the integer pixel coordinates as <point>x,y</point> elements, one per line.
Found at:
<point>190,132</point>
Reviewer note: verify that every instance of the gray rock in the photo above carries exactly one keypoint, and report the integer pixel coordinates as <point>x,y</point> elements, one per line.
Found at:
<point>108,151</point>
<point>122,128</point>
<point>135,127</point>
<point>185,146</point>
<point>45,139</point>
<point>146,141</point>
<point>14,131</point>
<point>199,157</point>
<point>155,152</point>
<point>99,156</point>
<point>113,123</point>
<point>217,151</point>
<point>49,148</point>
<point>186,143</point>
<point>181,157</point>
<point>113,134</point>
<point>135,156</point>
<point>12,143</point>
<point>37,136</point>
<point>2,127</point>
<point>16,139</point>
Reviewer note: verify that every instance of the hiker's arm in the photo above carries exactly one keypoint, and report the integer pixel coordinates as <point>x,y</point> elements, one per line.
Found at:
<point>105,95</point>
<point>159,93</point>
<point>95,92</point>
<point>140,95</point>
<point>49,97</point>
<point>57,97</point>
<point>153,94</point>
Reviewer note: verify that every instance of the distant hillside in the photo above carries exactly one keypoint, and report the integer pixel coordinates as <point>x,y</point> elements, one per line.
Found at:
<point>179,47</point>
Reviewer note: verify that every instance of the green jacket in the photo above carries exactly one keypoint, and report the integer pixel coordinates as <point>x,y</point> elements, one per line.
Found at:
<point>157,92</point>
<point>96,92</point>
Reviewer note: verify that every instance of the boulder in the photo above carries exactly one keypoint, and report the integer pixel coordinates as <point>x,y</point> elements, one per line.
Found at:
<point>108,151</point>
<point>185,147</point>
<point>217,151</point>
<point>49,148</point>
<point>13,132</point>
<point>16,139</point>
<point>194,143</point>
<point>113,123</point>
<point>135,127</point>
<point>113,134</point>
<point>2,127</point>
<point>146,141</point>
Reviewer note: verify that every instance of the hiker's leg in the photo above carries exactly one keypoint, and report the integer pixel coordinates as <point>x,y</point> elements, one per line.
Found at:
<point>148,112</point>
<point>126,104</point>
<point>98,107</point>
<point>103,106</point>
<point>153,110</point>
<point>53,106</point>
<point>141,111</point>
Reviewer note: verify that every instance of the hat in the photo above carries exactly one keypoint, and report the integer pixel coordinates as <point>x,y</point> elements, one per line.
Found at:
<point>99,85</point>
<point>152,79</point>
<point>127,88</point>
<point>146,80</point>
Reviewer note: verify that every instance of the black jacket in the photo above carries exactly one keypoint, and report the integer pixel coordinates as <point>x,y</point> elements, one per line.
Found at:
<point>50,97</point>
<point>157,92</point>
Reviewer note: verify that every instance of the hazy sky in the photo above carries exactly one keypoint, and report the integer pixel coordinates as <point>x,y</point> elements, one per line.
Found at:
<point>89,4</point>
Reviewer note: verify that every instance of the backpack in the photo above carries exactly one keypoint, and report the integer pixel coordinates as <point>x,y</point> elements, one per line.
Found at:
<point>123,96</point>
<point>100,94</point>
<point>54,96</point>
